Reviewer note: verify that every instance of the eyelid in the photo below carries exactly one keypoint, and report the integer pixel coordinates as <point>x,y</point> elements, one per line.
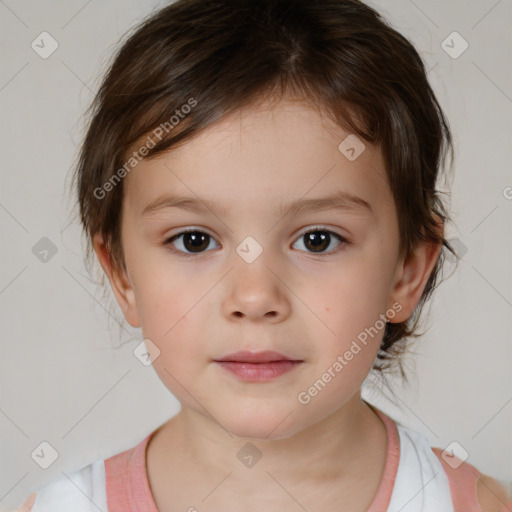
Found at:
<point>184,231</point>
<point>192,229</point>
<point>302,232</point>
<point>321,227</point>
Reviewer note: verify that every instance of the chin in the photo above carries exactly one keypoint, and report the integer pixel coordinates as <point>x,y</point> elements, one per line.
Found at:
<point>258,425</point>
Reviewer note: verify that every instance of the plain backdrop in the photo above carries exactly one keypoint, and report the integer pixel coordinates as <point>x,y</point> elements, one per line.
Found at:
<point>62,380</point>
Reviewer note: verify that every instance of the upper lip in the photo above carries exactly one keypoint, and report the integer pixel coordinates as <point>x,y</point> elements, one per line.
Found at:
<point>267,356</point>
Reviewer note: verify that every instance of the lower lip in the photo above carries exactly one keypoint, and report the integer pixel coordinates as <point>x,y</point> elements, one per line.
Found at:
<point>258,372</point>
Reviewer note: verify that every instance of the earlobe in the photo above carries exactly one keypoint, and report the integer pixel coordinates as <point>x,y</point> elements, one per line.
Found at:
<point>119,281</point>
<point>411,278</point>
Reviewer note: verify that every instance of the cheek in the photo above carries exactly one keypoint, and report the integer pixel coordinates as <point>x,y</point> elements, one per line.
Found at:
<point>353,296</point>
<point>171,311</point>
<point>174,320</point>
<point>350,306</point>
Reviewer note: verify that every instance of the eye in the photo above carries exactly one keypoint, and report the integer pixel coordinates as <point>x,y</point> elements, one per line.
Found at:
<point>316,240</point>
<point>193,241</point>
<point>190,242</point>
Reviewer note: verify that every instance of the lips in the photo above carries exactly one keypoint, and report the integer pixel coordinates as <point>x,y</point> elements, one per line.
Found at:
<point>257,366</point>
<point>267,356</point>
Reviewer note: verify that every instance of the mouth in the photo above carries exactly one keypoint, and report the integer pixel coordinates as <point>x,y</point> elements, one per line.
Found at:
<point>267,356</point>
<point>257,366</point>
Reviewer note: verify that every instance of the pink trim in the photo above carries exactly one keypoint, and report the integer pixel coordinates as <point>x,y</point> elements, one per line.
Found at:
<point>128,488</point>
<point>463,485</point>
<point>382,499</point>
<point>127,482</point>
<point>28,504</point>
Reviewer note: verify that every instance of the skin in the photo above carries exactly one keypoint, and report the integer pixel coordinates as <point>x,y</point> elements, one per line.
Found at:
<point>306,305</point>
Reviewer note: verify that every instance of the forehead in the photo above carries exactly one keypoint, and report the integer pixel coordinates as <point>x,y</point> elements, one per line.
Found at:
<point>263,157</point>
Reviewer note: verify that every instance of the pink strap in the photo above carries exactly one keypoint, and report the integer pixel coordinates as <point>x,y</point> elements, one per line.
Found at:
<point>27,505</point>
<point>463,485</point>
<point>383,496</point>
<point>127,485</point>
<point>463,482</point>
<point>128,489</point>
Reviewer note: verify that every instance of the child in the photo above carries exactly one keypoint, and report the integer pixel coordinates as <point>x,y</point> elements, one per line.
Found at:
<point>258,182</point>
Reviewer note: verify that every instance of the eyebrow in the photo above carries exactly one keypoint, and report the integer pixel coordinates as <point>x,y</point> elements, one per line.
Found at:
<point>338,201</point>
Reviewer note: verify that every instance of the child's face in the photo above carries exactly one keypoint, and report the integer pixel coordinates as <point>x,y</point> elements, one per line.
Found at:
<point>308,306</point>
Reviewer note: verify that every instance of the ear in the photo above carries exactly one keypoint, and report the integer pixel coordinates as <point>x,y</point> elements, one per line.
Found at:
<point>412,274</point>
<point>119,281</point>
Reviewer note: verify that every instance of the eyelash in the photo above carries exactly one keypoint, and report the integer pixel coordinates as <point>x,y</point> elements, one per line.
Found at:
<point>343,242</point>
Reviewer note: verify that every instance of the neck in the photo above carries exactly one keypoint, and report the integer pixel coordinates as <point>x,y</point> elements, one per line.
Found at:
<point>332,449</point>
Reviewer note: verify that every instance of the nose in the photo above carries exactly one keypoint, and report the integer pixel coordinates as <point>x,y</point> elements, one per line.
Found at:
<point>257,293</point>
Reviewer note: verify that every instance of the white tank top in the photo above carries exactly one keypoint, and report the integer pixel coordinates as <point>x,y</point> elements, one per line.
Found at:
<point>421,484</point>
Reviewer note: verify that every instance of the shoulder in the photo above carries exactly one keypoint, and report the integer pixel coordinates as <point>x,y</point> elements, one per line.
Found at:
<point>81,491</point>
<point>493,496</point>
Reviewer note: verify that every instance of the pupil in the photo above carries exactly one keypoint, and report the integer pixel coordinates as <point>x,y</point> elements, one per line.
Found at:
<point>318,240</point>
<point>197,241</point>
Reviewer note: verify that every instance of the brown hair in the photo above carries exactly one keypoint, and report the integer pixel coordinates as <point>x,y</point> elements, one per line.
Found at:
<point>219,56</point>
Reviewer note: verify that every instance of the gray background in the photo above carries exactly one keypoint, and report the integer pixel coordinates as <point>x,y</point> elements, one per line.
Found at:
<point>61,379</point>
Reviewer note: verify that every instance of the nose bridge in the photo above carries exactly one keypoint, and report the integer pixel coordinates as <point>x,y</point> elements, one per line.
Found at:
<point>252,261</point>
<point>254,289</point>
